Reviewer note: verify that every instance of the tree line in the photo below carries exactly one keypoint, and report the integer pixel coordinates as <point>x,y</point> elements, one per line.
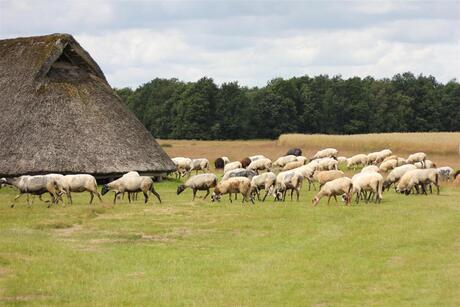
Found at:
<point>170,108</point>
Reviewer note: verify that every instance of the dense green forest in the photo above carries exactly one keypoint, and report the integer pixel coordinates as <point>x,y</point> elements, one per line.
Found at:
<point>170,108</point>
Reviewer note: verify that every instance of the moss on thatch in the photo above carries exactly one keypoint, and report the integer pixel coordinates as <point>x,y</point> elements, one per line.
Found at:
<point>59,114</point>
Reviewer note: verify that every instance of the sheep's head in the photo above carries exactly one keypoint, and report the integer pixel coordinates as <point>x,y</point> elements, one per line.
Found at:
<point>346,197</point>
<point>215,197</point>
<point>105,189</point>
<point>180,189</point>
<point>315,200</point>
<point>2,182</point>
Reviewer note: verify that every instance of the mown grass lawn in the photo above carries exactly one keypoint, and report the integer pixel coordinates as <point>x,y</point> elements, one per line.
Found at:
<point>405,251</point>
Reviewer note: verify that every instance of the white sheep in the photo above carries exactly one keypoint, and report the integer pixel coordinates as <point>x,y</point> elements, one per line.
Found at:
<point>81,183</point>
<point>32,185</point>
<point>367,182</point>
<point>307,171</point>
<point>282,161</point>
<point>231,166</point>
<point>201,164</point>
<point>418,177</point>
<point>183,165</point>
<point>426,164</point>
<point>239,172</point>
<point>256,157</point>
<point>325,176</point>
<point>416,157</point>
<point>396,174</point>
<point>370,168</point>
<point>342,159</point>
<point>293,165</point>
<point>357,160</point>
<point>378,156</point>
<point>264,181</point>
<point>334,188</point>
<point>326,153</point>
<point>131,184</point>
<point>302,159</point>
<point>262,164</point>
<point>446,172</point>
<point>327,164</point>
<point>233,185</point>
<point>202,182</point>
<point>388,165</point>
<point>288,180</point>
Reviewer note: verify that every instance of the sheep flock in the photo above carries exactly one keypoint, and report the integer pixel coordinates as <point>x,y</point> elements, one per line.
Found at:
<point>373,174</point>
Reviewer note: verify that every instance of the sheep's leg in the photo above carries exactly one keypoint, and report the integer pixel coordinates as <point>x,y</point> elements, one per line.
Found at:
<point>335,199</point>
<point>69,196</point>
<point>292,192</point>
<point>207,193</point>
<point>258,194</point>
<point>115,197</point>
<point>329,199</point>
<point>284,195</point>
<point>230,197</point>
<point>15,199</point>
<point>431,188</point>
<point>266,194</point>
<point>194,194</point>
<point>146,197</point>
<point>152,189</point>
<point>236,196</point>
<point>28,202</point>
<point>91,197</point>
<point>129,197</point>
<point>297,191</point>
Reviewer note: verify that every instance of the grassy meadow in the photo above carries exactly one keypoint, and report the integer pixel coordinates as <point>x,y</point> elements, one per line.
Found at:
<point>403,252</point>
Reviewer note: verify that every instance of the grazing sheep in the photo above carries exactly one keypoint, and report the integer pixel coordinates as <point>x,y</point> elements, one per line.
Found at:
<point>183,166</point>
<point>342,159</point>
<point>370,168</point>
<point>264,181</point>
<point>32,185</point>
<point>325,176</point>
<point>231,166</point>
<point>416,157</point>
<point>426,164</point>
<point>202,182</point>
<point>446,172</point>
<point>263,164</point>
<point>288,180</point>
<point>219,163</point>
<point>82,183</point>
<point>333,188</point>
<point>378,156</point>
<point>356,160</point>
<point>201,164</point>
<point>306,171</point>
<point>326,153</point>
<point>293,165</point>
<point>396,174</point>
<point>256,157</point>
<point>294,151</point>
<point>245,162</point>
<point>302,159</point>
<point>388,165</point>
<point>418,177</point>
<point>327,164</point>
<point>282,161</point>
<point>239,172</point>
<point>233,185</point>
<point>142,184</point>
<point>367,182</point>
<point>392,157</point>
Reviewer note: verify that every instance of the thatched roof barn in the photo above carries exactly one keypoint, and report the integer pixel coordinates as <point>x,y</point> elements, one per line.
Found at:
<point>59,114</point>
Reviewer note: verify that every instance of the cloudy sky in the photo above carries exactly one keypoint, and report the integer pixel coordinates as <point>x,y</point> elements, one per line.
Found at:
<point>250,41</point>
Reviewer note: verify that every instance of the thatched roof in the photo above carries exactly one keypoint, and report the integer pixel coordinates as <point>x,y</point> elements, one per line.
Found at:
<point>59,114</point>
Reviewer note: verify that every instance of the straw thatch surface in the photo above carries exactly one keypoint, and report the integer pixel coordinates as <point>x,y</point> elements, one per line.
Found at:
<point>59,114</point>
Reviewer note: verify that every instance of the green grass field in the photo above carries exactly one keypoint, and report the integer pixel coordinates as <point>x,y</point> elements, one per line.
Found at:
<point>404,252</point>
